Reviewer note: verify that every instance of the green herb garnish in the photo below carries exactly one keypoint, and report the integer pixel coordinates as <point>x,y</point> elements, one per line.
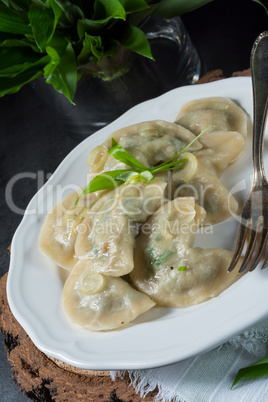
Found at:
<point>137,171</point>
<point>182,268</point>
<point>258,369</point>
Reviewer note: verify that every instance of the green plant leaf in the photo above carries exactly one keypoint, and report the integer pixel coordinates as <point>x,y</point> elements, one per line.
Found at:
<point>38,2</point>
<point>263,5</point>
<point>17,5</point>
<point>258,369</point>
<point>10,40</point>
<point>173,8</point>
<point>92,46</point>
<point>135,40</point>
<point>53,63</point>
<point>70,12</point>
<point>11,22</point>
<point>90,26</point>
<point>56,10</point>
<point>16,60</point>
<point>132,6</point>
<point>106,9</point>
<point>58,43</point>
<point>24,42</point>
<point>61,72</point>
<point>105,12</point>
<point>137,18</point>
<point>56,50</point>
<point>43,24</point>
<point>12,85</point>
<point>120,154</point>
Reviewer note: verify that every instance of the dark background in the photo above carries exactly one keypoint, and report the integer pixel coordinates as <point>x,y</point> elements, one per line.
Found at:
<point>33,139</point>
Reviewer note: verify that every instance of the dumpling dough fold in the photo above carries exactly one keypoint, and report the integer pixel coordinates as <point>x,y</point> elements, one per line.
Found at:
<point>107,239</point>
<point>224,142</point>
<point>150,142</point>
<point>59,231</point>
<point>222,113</point>
<point>168,268</point>
<point>97,302</point>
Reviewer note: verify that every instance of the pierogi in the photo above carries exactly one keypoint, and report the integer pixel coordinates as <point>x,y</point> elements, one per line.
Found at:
<point>99,302</point>
<point>106,244</point>
<point>59,231</point>
<point>169,269</point>
<point>222,113</point>
<point>150,142</point>
<point>132,246</point>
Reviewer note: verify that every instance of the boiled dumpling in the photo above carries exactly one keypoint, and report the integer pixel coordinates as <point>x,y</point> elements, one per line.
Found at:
<point>209,192</point>
<point>220,149</point>
<point>224,142</point>
<point>59,231</point>
<point>97,302</point>
<point>222,113</point>
<point>106,241</point>
<point>222,145</point>
<point>168,268</point>
<point>149,142</point>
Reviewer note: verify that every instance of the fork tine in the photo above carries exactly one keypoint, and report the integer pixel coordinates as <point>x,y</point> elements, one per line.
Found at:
<point>250,249</point>
<point>240,245</point>
<point>257,235</point>
<point>265,263</point>
<point>260,250</point>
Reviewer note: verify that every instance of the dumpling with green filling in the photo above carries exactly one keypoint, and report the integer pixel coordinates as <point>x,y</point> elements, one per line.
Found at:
<point>106,237</point>
<point>222,113</point>
<point>98,302</point>
<point>150,142</point>
<point>224,142</point>
<point>169,269</point>
<point>59,231</point>
<point>207,190</point>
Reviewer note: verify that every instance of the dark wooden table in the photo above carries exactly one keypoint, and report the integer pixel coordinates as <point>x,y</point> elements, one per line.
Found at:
<point>33,140</point>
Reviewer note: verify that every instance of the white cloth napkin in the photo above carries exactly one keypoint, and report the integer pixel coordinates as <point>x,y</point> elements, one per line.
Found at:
<point>208,377</point>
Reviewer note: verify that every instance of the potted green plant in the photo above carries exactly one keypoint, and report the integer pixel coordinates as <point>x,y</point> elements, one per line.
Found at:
<point>54,38</point>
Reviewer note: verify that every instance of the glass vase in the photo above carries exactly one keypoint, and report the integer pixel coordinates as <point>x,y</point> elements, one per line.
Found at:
<point>108,89</point>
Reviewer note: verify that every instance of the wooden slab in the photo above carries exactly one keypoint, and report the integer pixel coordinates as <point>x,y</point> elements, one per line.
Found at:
<point>42,378</point>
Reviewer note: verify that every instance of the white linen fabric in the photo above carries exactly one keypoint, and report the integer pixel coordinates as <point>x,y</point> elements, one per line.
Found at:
<point>208,377</point>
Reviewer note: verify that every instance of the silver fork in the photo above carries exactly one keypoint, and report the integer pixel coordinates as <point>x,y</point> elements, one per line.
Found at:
<point>254,217</point>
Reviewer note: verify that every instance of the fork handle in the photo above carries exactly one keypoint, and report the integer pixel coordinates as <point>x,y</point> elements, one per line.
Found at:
<point>259,72</point>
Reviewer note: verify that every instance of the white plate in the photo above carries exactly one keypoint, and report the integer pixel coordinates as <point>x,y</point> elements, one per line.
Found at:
<point>161,336</point>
